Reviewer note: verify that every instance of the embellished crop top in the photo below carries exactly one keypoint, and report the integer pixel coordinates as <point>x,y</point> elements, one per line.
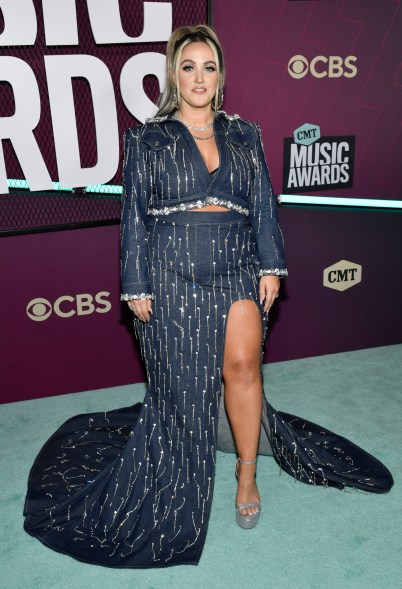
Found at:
<point>164,172</point>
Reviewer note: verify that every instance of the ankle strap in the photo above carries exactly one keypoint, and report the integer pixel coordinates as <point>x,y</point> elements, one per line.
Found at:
<point>247,461</point>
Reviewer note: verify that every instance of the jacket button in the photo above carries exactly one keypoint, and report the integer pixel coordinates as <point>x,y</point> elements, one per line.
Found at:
<point>156,143</point>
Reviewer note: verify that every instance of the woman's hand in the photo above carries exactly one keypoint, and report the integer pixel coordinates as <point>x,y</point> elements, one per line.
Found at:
<point>269,289</point>
<point>141,309</point>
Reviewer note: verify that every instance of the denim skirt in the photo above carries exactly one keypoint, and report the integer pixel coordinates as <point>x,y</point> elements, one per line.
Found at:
<point>200,264</point>
<point>132,488</point>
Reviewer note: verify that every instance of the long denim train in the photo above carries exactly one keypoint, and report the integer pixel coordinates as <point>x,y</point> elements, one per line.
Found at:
<point>133,487</point>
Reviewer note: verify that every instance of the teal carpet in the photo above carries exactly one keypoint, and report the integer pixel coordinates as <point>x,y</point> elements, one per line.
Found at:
<point>307,537</point>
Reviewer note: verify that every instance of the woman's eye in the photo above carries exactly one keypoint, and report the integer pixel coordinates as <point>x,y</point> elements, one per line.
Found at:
<point>210,68</point>
<point>188,68</point>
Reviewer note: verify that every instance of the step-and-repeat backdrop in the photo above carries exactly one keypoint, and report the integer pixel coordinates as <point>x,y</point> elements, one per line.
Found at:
<point>323,80</point>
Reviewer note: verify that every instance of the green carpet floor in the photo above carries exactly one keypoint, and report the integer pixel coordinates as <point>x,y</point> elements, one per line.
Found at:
<point>307,537</point>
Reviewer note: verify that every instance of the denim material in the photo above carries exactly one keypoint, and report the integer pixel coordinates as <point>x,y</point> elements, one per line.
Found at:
<point>200,264</point>
<point>164,172</point>
<point>133,488</point>
<point>204,234</point>
<point>145,500</point>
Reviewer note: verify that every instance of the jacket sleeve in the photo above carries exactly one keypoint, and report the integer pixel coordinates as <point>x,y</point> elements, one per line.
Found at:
<point>264,217</point>
<point>134,247</point>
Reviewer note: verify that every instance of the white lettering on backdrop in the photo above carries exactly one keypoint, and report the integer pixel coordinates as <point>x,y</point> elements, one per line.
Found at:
<point>105,21</point>
<point>19,127</point>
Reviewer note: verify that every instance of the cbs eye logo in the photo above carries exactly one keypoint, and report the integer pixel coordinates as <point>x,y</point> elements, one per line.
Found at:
<point>320,66</point>
<point>66,306</point>
<point>39,309</point>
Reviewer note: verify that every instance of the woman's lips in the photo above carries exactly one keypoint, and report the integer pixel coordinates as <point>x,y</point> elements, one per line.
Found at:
<point>199,90</point>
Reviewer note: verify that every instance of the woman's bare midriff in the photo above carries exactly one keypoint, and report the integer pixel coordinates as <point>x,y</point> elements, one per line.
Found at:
<point>210,208</point>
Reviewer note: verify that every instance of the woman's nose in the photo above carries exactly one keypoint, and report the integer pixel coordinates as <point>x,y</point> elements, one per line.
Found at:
<point>199,74</point>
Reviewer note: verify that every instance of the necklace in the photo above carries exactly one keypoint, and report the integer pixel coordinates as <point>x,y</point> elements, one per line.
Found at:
<point>202,138</point>
<point>208,126</point>
<point>199,128</point>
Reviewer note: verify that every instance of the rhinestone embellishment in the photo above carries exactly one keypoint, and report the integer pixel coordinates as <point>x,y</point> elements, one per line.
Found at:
<point>199,204</point>
<point>275,272</point>
<point>137,297</point>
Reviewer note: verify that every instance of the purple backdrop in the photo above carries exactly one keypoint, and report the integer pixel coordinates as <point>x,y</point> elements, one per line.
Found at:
<point>311,319</point>
<point>63,354</point>
<point>268,33</point>
<point>67,354</point>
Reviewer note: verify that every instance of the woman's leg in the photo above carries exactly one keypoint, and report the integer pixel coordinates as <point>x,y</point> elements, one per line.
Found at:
<point>243,392</point>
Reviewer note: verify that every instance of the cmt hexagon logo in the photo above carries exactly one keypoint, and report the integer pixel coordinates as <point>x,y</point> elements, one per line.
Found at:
<point>307,134</point>
<point>342,275</point>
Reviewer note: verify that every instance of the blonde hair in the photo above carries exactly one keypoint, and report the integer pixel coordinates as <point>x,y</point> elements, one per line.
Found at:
<point>170,97</point>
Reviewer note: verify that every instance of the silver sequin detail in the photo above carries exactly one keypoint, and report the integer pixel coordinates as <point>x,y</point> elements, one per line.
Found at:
<point>275,272</point>
<point>137,297</point>
<point>157,119</point>
<point>199,204</point>
<point>231,118</point>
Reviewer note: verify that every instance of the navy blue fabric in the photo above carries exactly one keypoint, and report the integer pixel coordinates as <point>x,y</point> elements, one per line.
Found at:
<point>163,170</point>
<point>133,487</point>
<point>314,455</point>
<point>141,496</point>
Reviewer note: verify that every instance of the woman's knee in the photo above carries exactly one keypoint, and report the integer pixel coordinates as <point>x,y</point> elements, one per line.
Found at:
<point>244,368</point>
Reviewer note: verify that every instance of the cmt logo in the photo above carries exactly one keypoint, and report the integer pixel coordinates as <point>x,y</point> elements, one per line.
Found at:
<point>307,134</point>
<point>320,66</point>
<point>66,306</point>
<point>342,275</point>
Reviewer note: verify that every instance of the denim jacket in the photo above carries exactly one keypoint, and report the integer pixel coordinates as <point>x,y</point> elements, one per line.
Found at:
<point>164,172</point>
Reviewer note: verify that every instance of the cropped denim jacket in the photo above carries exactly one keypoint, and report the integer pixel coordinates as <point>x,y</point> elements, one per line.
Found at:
<point>164,172</point>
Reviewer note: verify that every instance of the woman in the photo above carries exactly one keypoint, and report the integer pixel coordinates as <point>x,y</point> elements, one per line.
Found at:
<point>229,169</point>
<point>202,254</point>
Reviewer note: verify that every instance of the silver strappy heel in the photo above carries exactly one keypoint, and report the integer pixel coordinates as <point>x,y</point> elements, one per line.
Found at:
<point>247,521</point>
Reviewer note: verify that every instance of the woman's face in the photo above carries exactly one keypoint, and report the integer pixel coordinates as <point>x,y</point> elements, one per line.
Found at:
<point>198,75</point>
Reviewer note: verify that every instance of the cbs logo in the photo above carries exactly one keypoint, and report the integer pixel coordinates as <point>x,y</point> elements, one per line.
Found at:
<point>66,306</point>
<point>333,66</point>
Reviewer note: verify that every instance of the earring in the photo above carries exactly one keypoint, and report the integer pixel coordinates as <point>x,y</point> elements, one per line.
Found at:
<point>220,99</point>
<point>217,104</point>
<point>175,100</point>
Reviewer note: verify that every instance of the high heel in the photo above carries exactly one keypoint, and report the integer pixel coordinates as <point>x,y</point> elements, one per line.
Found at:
<point>246,521</point>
